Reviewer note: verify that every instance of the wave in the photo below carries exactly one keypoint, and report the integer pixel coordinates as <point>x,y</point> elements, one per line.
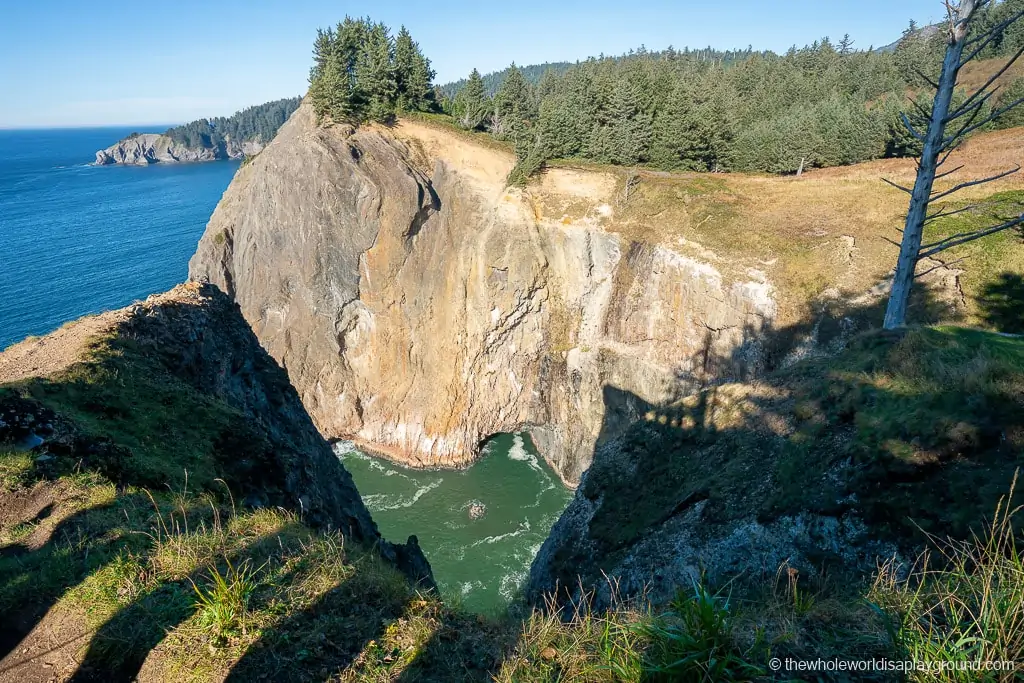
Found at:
<point>519,453</point>
<point>524,527</point>
<point>384,501</point>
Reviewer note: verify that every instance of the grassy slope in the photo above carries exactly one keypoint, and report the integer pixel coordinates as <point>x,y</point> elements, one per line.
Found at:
<point>924,430</point>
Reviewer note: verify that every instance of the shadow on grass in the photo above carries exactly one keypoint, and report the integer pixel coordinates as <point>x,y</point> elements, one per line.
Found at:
<point>33,580</point>
<point>1002,303</point>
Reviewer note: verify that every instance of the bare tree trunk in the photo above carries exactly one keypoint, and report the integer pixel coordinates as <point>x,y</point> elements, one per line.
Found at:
<point>910,247</point>
<point>800,171</point>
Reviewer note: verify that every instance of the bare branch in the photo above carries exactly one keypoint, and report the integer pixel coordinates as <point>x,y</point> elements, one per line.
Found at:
<point>989,36</point>
<point>929,81</point>
<point>939,176</point>
<point>975,106</point>
<point>921,110</point>
<point>949,242</point>
<point>940,265</point>
<point>967,125</point>
<point>898,187</point>
<point>992,79</point>
<point>944,214</point>
<point>972,183</point>
<point>910,127</point>
<point>945,157</point>
<point>892,242</point>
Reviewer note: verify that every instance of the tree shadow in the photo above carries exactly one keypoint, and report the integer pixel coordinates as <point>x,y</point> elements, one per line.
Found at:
<point>321,640</point>
<point>1002,303</point>
<point>33,580</point>
<point>881,434</point>
<point>120,647</point>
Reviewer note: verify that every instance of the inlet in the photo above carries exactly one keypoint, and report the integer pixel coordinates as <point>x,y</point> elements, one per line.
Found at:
<point>480,527</point>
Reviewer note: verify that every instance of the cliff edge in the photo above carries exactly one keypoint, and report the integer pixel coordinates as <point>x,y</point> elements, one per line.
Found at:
<point>177,392</point>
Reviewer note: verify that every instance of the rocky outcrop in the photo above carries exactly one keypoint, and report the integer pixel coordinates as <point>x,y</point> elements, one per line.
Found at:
<point>153,148</point>
<point>268,452</point>
<point>420,306</point>
<point>831,467</point>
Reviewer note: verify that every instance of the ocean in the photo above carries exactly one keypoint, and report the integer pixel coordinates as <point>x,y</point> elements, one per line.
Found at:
<point>80,239</point>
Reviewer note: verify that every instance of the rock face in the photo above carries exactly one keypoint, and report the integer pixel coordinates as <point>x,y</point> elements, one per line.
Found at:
<point>152,148</point>
<point>420,306</point>
<point>833,466</point>
<point>197,335</point>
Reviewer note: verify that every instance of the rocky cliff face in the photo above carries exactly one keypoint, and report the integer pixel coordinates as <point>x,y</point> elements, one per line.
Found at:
<point>420,306</point>
<point>153,148</point>
<point>833,466</point>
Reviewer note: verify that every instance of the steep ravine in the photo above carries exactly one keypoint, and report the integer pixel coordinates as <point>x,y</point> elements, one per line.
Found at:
<point>420,306</point>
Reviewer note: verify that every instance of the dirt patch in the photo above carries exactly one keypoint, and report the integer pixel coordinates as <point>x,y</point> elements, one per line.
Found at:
<point>51,652</point>
<point>43,356</point>
<point>26,506</point>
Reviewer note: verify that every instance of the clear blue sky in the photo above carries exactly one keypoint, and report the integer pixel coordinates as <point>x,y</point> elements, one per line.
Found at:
<point>108,62</point>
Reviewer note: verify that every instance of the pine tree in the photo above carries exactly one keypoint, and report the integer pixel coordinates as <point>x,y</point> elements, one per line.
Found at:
<point>472,106</point>
<point>1013,93</point>
<point>513,107</point>
<point>375,73</point>
<point>845,45</point>
<point>413,74</point>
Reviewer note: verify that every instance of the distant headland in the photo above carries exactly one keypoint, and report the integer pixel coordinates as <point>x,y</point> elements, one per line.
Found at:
<point>241,135</point>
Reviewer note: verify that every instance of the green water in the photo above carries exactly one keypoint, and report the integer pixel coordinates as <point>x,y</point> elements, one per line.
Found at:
<point>479,562</point>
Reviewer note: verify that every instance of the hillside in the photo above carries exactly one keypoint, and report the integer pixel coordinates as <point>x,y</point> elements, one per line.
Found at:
<point>238,136</point>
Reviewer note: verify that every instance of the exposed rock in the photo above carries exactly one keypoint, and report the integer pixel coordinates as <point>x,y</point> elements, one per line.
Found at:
<point>419,306</point>
<point>829,467</point>
<point>152,148</point>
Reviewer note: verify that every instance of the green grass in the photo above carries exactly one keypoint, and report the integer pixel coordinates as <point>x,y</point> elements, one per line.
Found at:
<point>166,573</point>
<point>989,262</point>
<point>158,429</point>
<point>932,422</point>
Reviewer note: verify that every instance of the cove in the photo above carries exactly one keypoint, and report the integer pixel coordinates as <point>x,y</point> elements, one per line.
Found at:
<point>480,563</point>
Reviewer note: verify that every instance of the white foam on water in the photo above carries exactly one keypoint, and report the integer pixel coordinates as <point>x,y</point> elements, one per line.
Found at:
<point>346,449</point>
<point>383,501</point>
<point>469,586</point>
<point>510,584</point>
<point>519,453</point>
<point>524,527</point>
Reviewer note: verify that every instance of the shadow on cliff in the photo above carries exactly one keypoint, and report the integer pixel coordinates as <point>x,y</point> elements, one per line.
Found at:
<point>914,431</point>
<point>823,328</point>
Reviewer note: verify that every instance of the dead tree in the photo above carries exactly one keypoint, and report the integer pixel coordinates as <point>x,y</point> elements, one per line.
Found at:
<point>962,120</point>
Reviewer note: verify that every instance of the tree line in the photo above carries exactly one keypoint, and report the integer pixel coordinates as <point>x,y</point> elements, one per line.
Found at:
<point>362,73</point>
<point>826,104</point>
<point>257,124</point>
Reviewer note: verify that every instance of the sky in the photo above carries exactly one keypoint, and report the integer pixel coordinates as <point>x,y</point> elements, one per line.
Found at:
<point>66,63</point>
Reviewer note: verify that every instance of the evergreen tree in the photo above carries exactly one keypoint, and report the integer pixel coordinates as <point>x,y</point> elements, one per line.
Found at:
<point>472,106</point>
<point>1012,93</point>
<point>375,73</point>
<point>412,74</point>
<point>360,73</point>
<point>513,107</point>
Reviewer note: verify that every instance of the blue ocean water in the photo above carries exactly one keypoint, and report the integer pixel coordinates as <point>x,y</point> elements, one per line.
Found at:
<point>78,239</point>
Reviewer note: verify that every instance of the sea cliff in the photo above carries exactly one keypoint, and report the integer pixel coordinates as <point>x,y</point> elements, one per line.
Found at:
<point>153,148</point>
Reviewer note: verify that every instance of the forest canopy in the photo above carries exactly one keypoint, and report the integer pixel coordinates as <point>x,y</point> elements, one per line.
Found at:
<point>256,124</point>
<point>826,104</point>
